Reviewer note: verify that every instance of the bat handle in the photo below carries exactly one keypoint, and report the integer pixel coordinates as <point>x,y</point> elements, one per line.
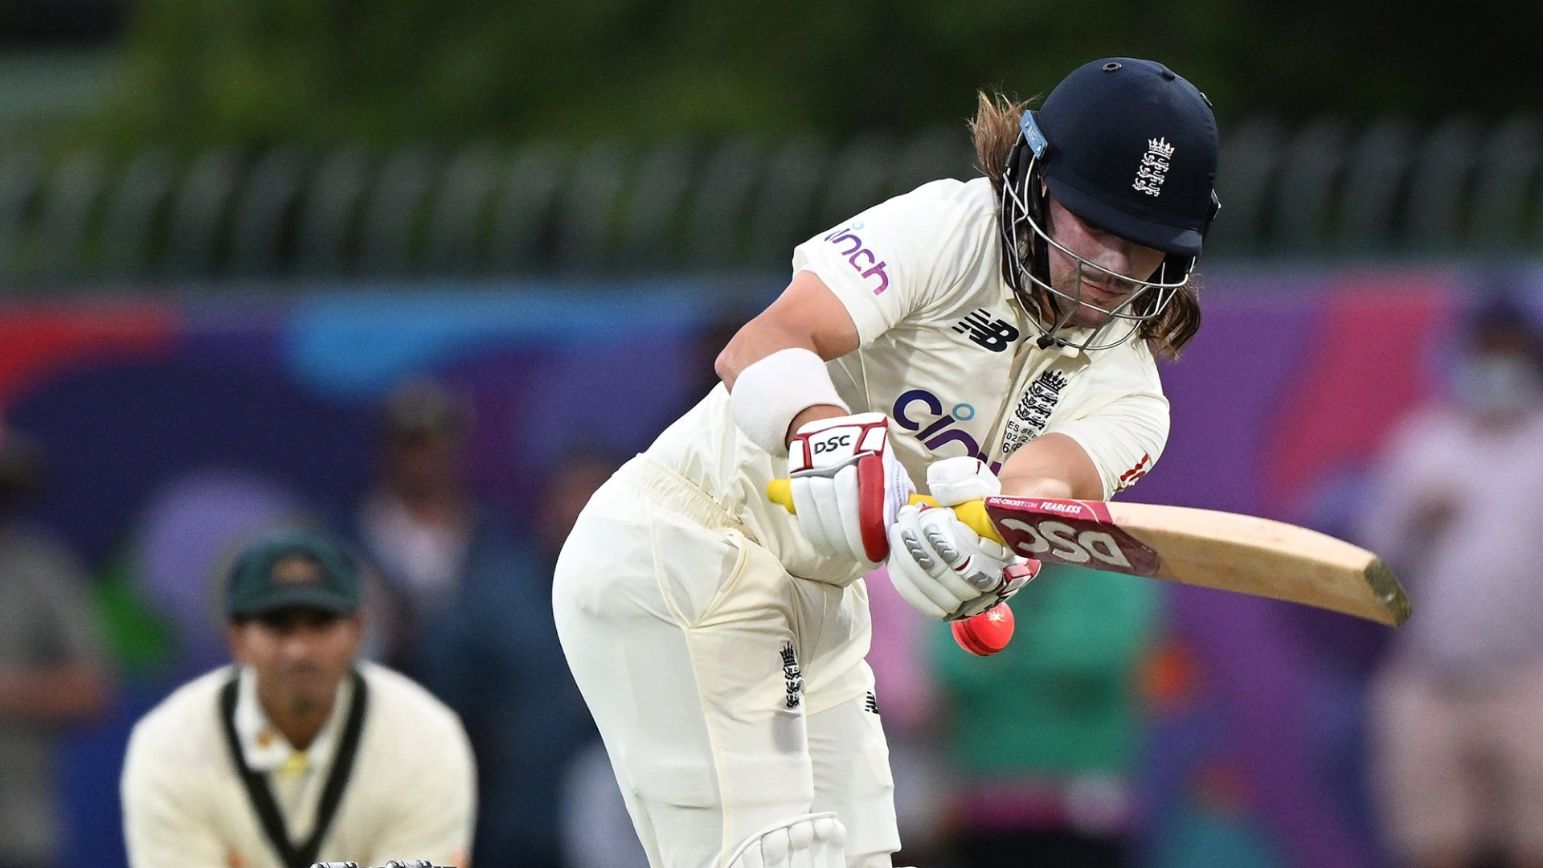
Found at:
<point>972,513</point>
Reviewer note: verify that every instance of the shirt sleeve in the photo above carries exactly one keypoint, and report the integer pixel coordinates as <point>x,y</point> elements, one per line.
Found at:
<point>893,259</point>
<point>162,825</point>
<point>434,816</point>
<point>1124,435</point>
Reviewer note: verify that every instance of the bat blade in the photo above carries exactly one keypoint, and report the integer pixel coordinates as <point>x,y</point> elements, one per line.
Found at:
<point>1207,548</point>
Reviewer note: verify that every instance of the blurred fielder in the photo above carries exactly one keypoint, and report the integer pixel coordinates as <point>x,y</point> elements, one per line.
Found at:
<point>985,335</point>
<point>297,753</point>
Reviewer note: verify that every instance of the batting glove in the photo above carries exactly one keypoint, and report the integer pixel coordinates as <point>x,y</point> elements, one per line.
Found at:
<point>847,485</point>
<point>938,564</point>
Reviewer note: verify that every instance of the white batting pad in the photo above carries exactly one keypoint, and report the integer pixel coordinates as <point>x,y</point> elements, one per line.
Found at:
<point>804,841</point>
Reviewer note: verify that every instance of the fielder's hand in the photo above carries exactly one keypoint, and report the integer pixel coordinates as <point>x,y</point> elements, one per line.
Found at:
<point>847,485</point>
<point>938,564</point>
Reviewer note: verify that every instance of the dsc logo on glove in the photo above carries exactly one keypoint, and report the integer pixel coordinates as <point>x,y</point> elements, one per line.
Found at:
<point>840,441</point>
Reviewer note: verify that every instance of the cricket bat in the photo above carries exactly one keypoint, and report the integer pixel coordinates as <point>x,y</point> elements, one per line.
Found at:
<point>1202,547</point>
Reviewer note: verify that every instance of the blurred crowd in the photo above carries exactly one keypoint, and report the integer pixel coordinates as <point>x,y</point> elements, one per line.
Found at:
<point>1054,750</point>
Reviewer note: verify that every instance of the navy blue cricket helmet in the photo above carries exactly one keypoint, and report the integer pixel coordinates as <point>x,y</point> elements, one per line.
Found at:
<point>1126,145</point>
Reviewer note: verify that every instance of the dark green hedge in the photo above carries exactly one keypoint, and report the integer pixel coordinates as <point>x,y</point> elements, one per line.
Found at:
<point>257,72</point>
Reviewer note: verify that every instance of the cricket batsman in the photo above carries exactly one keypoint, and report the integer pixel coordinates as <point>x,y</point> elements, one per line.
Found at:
<point>988,336</point>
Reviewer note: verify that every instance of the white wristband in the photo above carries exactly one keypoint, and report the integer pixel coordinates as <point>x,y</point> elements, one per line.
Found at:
<point>768,393</point>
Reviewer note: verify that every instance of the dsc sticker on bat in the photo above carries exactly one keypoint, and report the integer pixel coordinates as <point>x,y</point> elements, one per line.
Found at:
<point>1076,532</point>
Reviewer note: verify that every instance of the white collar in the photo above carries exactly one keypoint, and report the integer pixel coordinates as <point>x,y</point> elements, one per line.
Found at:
<point>262,744</point>
<point>1034,327</point>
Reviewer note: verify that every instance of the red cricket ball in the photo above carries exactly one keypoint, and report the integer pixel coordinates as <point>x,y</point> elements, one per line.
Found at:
<point>987,633</point>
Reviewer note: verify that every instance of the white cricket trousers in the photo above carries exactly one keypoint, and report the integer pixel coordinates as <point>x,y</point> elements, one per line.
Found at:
<point>728,693</point>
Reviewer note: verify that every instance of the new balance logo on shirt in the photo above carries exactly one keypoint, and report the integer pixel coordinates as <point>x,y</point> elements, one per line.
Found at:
<point>983,330</point>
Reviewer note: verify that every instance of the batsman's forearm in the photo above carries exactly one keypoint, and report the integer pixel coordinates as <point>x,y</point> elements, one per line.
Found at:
<point>1054,466</point>
<point>1037,486</point>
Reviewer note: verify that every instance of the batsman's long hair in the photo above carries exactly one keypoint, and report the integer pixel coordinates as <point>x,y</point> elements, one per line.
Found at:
<point>995,130</point>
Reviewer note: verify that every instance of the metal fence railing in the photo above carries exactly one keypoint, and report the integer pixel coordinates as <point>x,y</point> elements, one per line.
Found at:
<point>1388,189</point>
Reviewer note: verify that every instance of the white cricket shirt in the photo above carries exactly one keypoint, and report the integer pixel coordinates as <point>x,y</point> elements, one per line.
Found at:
<point>411,794</point>
<point>947,353</point>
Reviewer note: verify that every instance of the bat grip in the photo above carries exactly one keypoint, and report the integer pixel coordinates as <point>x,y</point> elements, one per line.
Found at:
<point>972,513</point>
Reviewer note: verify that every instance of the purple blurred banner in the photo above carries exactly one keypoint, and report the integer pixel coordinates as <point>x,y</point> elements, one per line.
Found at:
<point>264,406</point>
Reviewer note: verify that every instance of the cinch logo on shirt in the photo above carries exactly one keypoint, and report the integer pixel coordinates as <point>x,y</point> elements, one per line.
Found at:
<point>850,245</point>
<point>941,431</point>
